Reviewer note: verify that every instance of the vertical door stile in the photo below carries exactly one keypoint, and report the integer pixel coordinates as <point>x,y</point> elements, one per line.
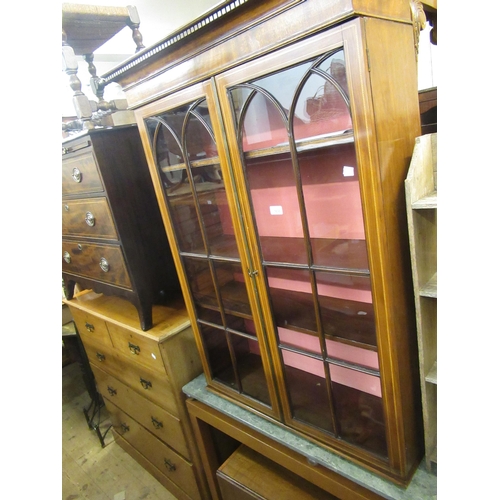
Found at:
<point>247,257</point>
<point>355,40</point>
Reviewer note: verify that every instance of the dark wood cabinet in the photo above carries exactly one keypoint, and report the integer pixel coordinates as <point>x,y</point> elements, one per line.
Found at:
<point>278,157</point>
<point>113,239</point>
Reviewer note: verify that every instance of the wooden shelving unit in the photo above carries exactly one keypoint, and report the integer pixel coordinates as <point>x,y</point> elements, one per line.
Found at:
<point>421,204</point>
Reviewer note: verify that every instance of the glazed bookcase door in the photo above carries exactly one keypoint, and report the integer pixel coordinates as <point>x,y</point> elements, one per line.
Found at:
<point>190,175</point>
<point>289,120</point>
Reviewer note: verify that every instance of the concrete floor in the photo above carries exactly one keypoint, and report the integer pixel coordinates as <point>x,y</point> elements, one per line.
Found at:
<point>90,471</point>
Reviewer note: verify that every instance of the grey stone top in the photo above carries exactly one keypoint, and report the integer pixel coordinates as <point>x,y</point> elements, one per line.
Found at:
<point>422,487</point>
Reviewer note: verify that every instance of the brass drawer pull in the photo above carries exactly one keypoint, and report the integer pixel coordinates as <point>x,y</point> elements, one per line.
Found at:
<point>169,465</point>
<point>90,219</point>
<point>100,356</point>
<point>104,264</point>
<point>77,175</point>
<point>67,257</point>
<point>76,147</point>
<point>146,383</point>
<point>112,392</point>
<point>66,207</point>
<point>157,424</point>
<point>124,427</point>
<point>89,327</point>
<point>134,349</point>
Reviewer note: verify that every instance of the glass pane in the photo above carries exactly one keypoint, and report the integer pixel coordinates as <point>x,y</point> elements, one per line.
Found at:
<point>346,307</point>
<point>319,107</point>
<point>321,110</point>
<point>352,354</point>
<point>178,192</point>
<point>219,357</point>
<point>283,85</point>
<point>263,123</point>
<point>168,150</point>
<point>243,325</point>
<point>200,282</point>
<point>357,380</point>
<point>333,206</point>
<point>276,209</point>
<point>360,415</point>
<point>239,97</point>
<point>232,287</point>
<point>186,133</point>
<point>214,209</point>
<point>185,219</point>
<point>199,141</point>
<point>335,66</point>
<point>209,315</point>
<point>305,378</point>
<point>174,119</point>
<point>305,342</point>
<point>291,298</point>
<point>249,367</point>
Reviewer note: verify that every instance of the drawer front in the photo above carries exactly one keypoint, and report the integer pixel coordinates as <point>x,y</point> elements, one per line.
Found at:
<point>151,385</point>
<point>230,490</point>
<point>89,217</point>
<point>247,474</point>
<point>80,175</point>
<point>91,327</point>
<point>139,349</point>
<point>158,421</point>
<point>161,456</point>
<point>95,261</point>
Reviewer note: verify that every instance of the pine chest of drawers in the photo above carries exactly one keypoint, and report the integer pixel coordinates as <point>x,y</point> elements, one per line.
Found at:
<point>140,376</point>
<point>113,240</point>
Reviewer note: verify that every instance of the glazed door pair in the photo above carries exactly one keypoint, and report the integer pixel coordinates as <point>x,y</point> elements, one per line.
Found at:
<point>258,171</point>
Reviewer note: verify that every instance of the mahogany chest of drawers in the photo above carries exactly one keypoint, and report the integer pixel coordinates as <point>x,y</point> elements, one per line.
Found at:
<point>140,376</point>
<point>113,240</point>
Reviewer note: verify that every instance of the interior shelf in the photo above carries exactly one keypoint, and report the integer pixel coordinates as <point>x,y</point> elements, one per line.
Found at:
<point>214,160</point>
<point>426,202</point>
<point>340,254</point>
<point>311,143</point>
<point>341,319</point>
<point>233,295</point>
<point>432,374</point>
<point>430,288</point>
<point>434,455</point>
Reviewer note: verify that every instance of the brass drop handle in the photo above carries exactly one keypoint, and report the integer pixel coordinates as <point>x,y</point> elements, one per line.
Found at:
<point>90,219</point>
<point>112,392</point>
<point>146,383</point>
<point>169,465</point>
<point>157,424</point>
<point>89,327</point>
<point>124,427</point>
<point>77,175</point>
<point>134,349</point>
<point>67,257</point>
<point>104,264</point>
<point>100,356</point>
